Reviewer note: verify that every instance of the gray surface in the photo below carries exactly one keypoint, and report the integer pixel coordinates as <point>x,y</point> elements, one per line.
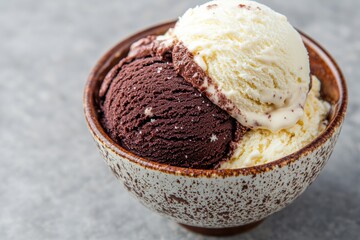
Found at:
<point>54,184</point>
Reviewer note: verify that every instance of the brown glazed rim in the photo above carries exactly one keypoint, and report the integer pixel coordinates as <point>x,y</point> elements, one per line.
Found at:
<point>98,132</point>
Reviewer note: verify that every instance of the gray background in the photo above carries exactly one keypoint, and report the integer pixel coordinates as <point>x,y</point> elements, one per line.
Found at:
<point>53,183</point>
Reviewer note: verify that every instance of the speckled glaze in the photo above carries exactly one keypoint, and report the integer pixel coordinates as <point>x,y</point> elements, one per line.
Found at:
<point>219,198</point>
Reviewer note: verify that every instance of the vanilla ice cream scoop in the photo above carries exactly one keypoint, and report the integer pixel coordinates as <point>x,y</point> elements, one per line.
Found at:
<point>253,58</point>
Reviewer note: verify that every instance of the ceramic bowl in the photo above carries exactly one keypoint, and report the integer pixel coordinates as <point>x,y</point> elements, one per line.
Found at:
<point>210,201</point>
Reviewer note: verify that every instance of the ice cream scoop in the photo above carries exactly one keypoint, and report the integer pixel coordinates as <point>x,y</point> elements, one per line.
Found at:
<point>256,64</point>
<point>156,114</point>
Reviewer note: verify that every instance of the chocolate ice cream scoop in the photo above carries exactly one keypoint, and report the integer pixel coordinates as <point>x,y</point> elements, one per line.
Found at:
<point>153,112</point>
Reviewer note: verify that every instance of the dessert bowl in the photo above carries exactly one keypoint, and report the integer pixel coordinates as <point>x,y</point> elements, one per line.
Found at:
<point>219,201</point>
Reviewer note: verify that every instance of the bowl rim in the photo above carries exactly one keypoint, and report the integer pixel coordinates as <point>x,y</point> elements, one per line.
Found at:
<point>99,133</point>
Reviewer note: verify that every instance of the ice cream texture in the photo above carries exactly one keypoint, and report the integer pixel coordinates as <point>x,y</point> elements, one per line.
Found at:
<point>227,87</point>
<point>262,146</point>
<point>253,57</point>
<point>154,113</point>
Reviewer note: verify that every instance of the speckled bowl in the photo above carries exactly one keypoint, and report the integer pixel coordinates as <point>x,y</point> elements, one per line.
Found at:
<point>204,200</point>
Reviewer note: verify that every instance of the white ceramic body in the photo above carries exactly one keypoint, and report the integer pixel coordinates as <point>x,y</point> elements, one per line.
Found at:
<point>217,201</point>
